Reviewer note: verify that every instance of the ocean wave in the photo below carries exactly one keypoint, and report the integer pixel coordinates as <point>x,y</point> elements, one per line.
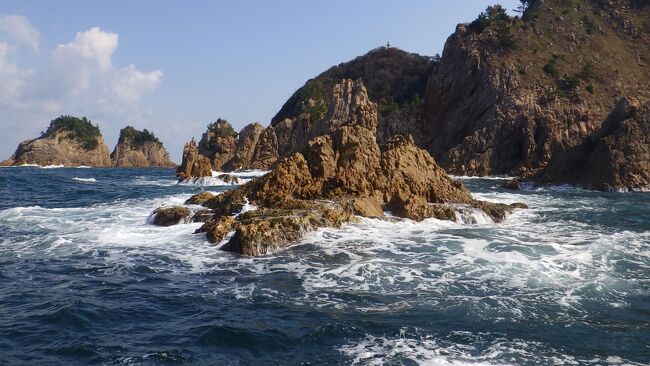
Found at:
<point>425,350</point>
<point>84,180</point>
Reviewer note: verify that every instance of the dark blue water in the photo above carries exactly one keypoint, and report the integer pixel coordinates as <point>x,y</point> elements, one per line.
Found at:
<point>84,279</point>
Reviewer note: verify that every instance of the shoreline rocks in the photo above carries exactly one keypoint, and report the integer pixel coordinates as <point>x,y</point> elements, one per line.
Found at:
<point>342,171</point>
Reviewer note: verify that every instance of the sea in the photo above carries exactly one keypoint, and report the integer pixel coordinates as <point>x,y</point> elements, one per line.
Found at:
<point>86,279</point>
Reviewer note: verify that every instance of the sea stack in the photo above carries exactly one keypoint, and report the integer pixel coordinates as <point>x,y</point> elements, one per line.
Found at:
<point>140,149</point>
<point>68,141</point>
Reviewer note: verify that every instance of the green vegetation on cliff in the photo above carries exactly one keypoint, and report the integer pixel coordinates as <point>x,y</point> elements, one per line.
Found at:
<point>80,129</point>
<point>137,138</point>
<point>393,77</point>
<point>221,128</point>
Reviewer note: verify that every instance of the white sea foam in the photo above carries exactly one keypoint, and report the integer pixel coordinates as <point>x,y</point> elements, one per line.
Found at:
<point>468,177</point>
<point>243,173</point>
<point>52,166</point>
<point>85,180</point>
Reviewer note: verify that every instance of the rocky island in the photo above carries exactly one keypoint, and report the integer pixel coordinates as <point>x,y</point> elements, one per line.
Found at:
<point>72,141</point>
<point>140,149</point>
<point>558,95</point>
<point>342,171</point>
<point>69,141</point>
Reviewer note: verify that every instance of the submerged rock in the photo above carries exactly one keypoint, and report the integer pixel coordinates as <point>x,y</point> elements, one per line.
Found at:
<point>342,171</point>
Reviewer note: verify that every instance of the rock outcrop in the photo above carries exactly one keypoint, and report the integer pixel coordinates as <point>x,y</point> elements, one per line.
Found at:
<point>341,171</point>
<point>194,164</point>
<point>140,149</point>
<point>68,141</point>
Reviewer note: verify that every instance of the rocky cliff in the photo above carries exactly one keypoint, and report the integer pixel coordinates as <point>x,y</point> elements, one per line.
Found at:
<point>68,141</point>
<point>395,79</point>
<point>516,96</point>
<point>510,95</point>
<point>342,171</point>
<point>140,149</point>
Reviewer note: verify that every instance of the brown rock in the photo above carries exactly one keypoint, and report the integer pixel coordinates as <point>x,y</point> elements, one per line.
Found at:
<point>367,206</point>
<point>339,173</point>
<point>245,148</point>
<point>193,164</point>
<point>217,228</point>
<point>199,198</point>
<point>168,216</point>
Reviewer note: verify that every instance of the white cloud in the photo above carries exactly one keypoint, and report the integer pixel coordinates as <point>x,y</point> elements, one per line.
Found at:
<point>129,84</point>
<point>21,30</point>
<point>93,47</point>
<point>78,77</point>
<point>13,80</point>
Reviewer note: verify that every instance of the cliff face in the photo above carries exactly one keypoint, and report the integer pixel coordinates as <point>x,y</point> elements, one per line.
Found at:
<point>68,141</point>
<point>515,96</point>
<point>509,96</point>
<point>139,149</point>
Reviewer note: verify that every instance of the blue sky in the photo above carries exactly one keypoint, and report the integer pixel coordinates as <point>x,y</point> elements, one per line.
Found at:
<point>175,66</point>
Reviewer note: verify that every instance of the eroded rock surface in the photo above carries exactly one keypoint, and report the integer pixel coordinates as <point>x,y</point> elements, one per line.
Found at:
<point>340,172</point>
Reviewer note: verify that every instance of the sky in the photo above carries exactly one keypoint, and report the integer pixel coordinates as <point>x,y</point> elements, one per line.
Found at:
<point>175,66</point>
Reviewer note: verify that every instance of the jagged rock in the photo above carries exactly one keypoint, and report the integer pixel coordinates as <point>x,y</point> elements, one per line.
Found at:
<point>199,198</point>
<point>218,143</point>
<point>340,172</point>
<point>245,148</point>
<point>217,228</point>
<point>139,149</point>
<point>266,150</point>
<point>68,141</point>
<point>168,216</point>
<point>193,164</point>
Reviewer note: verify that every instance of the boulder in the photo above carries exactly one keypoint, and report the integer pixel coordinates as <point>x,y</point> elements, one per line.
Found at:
<point>168,216</point>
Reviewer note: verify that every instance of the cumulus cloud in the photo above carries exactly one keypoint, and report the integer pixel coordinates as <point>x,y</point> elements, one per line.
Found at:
<point>20,30</point>
<point>78,77</point>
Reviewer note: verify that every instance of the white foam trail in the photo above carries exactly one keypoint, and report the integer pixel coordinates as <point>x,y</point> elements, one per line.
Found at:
<point>52,166</point>
<point>243,173</point>
<point>85,180</point>
<point>469,177</point>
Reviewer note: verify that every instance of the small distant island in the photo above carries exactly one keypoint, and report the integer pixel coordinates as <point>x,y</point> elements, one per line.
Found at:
<point>73,141</point>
